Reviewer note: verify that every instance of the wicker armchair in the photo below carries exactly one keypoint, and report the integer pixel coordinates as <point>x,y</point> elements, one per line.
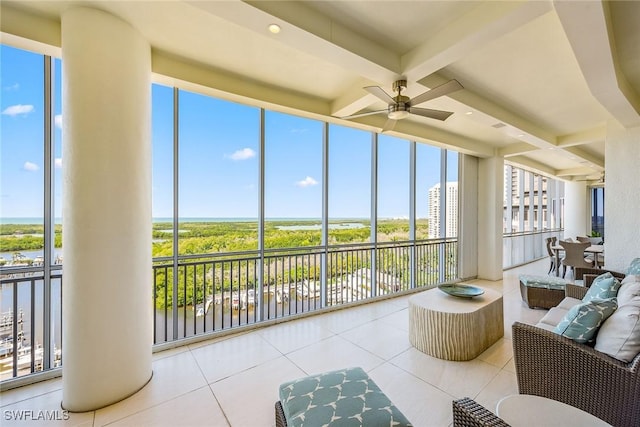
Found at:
<point>588,274</point>
<point>558,368</point>
<point>469,413</point>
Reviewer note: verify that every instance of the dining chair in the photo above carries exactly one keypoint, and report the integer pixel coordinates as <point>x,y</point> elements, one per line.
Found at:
<point>583,239</point>
<point>574,255</point>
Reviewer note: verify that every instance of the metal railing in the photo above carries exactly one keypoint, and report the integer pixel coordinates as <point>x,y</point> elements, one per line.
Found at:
<point>222,291</point>
<point>31,321</point>
<point>523,247</point>
<point>200,295</point>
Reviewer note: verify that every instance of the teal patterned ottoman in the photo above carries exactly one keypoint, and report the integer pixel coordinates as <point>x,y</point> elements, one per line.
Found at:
<point>541,291</point>
<point>341,398</point>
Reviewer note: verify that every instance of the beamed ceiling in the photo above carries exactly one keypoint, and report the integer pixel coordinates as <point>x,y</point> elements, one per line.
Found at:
<point>542,79</point>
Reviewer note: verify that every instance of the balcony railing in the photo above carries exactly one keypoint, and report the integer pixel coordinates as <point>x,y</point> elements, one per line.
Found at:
<point>523,247</point>
<point>222,291</point>
<point>201,295</point>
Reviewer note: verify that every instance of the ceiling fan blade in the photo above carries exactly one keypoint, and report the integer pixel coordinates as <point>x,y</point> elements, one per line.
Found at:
<point>432,114</point>
<point>368,113</point>
<point>380,93</point>
<point>389,125</point>
<point>443,89</point>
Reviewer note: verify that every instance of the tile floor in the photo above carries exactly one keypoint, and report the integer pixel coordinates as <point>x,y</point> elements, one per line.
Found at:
<point>233,381</point>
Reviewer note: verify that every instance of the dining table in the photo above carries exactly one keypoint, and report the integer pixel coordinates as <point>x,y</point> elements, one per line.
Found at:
<point>596,250</point>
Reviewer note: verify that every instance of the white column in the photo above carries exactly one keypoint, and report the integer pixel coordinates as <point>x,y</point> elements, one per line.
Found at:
<point>621,197</point>
<point>490,207</point>
<point>107,315</point>
<point>575,210</point>
<point>467,217</point>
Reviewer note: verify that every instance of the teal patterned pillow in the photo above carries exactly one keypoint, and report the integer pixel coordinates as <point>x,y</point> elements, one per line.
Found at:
<point>634,267</point>
<point>603,287</point>
<point>581,323</point>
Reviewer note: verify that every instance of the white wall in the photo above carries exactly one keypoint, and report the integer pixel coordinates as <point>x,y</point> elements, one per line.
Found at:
<point>622,197</point>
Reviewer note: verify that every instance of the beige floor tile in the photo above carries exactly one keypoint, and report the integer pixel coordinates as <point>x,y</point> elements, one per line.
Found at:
<point>331,354</point>
<point>29,392</point>
<point>420,402</point>
<point>196,408</point>
<point>233,355</point>
<point>43,410</point>
<point>399,319</point>
<point>379,338</point>
<point>172,377</point>
<point>510,366</point>
<point>290,336</point>
<point>498,354</point>
<point>459,379</point>
<point>248,398</point>
<point>504,384</point>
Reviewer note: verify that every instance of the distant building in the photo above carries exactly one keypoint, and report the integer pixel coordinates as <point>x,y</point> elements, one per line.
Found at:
<point>451,210</point>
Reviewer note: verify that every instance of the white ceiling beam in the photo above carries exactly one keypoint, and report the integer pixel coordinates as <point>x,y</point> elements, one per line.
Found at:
<point>585,156</point>
<point>532,165</point>
<point>516,149</point>
<point>584,137</point>
<point>486,22</point>
<point>534,134</point>
<point>587,26</point>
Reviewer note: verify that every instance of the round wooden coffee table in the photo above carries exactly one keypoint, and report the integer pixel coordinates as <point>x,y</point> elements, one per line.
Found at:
<point>454,328</point>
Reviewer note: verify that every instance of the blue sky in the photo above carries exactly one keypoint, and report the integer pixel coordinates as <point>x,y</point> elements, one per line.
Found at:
<point>218,157</point>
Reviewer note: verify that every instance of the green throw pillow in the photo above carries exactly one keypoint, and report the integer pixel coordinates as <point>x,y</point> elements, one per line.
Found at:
<point>582,321</point>
<point>634,267</point>
<point>604,286</point>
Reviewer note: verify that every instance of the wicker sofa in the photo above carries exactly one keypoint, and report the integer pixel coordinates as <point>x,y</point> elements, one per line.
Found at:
<point>469,413</point>
<point>550,365</point>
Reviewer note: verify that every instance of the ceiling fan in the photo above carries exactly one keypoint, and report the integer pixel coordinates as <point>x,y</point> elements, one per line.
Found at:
<point>400,106</point>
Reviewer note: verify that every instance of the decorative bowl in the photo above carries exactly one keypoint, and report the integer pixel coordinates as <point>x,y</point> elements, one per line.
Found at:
<point>461,291</point>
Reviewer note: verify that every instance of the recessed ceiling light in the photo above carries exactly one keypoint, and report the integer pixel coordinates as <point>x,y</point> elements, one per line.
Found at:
<point>274,28</point>
<point>520,135</point>
<point>468,113</point>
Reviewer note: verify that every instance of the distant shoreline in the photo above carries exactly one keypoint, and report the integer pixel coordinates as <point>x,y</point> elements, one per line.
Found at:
<point>39,221</point>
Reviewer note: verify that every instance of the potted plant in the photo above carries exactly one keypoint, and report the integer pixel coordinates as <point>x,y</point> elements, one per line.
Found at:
<point>595,237</point>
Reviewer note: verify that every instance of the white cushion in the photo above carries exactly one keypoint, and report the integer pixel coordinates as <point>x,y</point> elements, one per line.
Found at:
<point>630,278</point>
<point>553,317</point>
<point>627,292</point>
<point>619,335</point>
<point>568,302</point>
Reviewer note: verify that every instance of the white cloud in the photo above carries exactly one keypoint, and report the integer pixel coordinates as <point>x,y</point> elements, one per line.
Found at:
<point>12,87</point>
<point>244,154</point>
<point>31,167</point>
<point>18,109</point>
<point>298,130</point>
<point>58,121</point>
<point>308,181</point>
<point>58,162</point>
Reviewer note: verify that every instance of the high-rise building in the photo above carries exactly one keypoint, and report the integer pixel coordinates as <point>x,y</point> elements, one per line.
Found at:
<point>450,212</point>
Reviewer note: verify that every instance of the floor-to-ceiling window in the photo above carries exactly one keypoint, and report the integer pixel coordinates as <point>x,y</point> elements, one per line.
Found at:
<point>533,211</point>
<point>597,212</point>
<point>30,212</point>
<point>257,214</point>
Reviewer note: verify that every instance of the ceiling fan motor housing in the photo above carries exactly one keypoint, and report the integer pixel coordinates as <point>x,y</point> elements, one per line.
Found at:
<point>400,109</point>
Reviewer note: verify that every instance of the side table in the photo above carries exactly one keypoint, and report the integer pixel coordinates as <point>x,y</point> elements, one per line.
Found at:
<point>527,410</point>
<point>454,328</point>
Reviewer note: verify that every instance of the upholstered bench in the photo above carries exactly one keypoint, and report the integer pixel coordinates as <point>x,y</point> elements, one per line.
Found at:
<point>347,397</point>
<point>542,291</point>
